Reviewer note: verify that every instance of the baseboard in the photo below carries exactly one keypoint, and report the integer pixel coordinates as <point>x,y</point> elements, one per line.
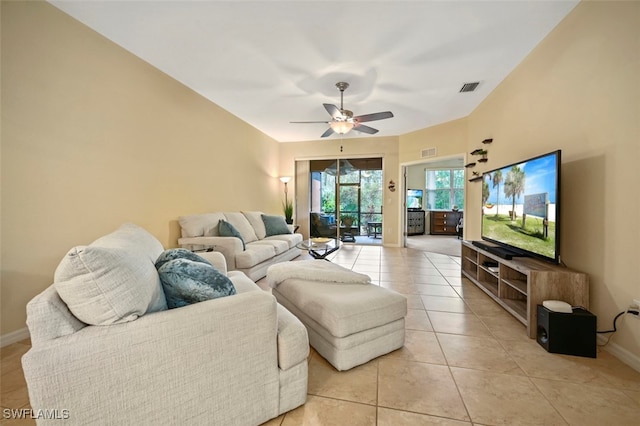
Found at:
<point>621,353</point>
<point>13,337</point>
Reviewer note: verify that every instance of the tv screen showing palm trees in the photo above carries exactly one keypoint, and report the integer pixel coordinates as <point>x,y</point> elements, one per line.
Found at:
<point>520,206</point>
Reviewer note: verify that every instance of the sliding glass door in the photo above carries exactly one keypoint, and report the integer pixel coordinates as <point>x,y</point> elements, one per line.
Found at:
<point>346,196</point>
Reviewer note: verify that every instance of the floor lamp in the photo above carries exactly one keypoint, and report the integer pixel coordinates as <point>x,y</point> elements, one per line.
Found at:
<point>285,180</point>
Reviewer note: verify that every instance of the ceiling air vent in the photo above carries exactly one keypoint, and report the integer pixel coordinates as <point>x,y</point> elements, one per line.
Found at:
<point>469,87</point>
<point>429,152</point>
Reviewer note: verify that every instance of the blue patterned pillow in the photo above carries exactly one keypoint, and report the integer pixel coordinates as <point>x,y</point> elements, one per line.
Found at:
<point>275,225</point>
<point>179,253</point>
<point>225,229</point>
<point>186,282</point>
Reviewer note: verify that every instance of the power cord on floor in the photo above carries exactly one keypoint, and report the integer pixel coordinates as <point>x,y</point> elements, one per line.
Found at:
<point>632,311</point>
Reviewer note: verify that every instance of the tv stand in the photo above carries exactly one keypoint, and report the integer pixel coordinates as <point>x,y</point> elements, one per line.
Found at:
<point>519,285</point>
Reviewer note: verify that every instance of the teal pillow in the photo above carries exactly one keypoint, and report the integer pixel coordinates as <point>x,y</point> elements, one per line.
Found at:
<point>186,282</point>
<point>225,229</point>
<point>275,225</point>
<point>179,253</point>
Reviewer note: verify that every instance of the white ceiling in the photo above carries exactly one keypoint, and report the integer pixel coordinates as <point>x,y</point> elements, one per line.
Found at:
<point>272,62</point>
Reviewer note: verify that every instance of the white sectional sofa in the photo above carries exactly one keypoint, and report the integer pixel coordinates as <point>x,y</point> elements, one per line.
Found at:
<point>234,360</point>
<point>254,256</point>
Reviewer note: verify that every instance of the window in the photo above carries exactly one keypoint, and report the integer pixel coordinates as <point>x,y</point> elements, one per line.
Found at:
<point>445,189</point>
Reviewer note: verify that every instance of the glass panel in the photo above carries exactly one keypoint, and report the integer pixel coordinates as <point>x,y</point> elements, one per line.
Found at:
<point>349,203</point>
<point>371,197</point>
<point>458,198</point>
<point>442,199</point>
<point>328,193</point>
<point>350,177</point>
<point>458,179</point>
<point>443,179</point>
<point>458,191</point>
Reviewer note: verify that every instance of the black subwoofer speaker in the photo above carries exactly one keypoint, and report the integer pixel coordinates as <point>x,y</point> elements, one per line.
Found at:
<point>567,333</point>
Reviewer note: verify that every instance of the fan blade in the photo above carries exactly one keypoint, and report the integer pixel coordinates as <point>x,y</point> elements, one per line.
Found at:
<point>365,129</point>
<point>305,122</point>
<point>333,111</point>
<point>373,117</point>
<point>329,132</point>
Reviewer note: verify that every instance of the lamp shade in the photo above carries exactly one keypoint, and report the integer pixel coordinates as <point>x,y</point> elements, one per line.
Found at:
<point>285,179</point>
<point>341,127</point>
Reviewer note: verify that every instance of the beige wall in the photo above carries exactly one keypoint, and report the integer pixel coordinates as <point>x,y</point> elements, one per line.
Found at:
<point>93,137</point>
<point>448,138</point>
<point>577,91</point>
<point>385,147</point>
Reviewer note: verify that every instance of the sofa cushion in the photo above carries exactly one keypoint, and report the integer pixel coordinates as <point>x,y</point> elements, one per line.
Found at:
<point>242,224</point>
<point>255,219</point>
<point>200,225</point>
<point>114,279</point>
<point>255,253</point>
<point>133,237</point>
<point>178,253</point>
<point>225,229</point>
<point>186,282</point>
<point>278,245</point>
<point>290,239</point>
<point>275,225</point>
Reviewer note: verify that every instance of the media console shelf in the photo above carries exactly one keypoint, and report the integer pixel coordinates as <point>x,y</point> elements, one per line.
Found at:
<point>520,284</point>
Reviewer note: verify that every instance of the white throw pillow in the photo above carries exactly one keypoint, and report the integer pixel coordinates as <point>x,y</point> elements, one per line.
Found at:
<point>240,222</point>
<point>255,219</point>
<point>114,279</point>
<point>200,225</point>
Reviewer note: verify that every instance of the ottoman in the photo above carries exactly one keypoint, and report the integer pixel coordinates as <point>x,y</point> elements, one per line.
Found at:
<point>348,323</point>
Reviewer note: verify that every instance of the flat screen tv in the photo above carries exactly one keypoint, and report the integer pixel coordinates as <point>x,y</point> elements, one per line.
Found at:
<point>414,198</point>
<point>521,207</point>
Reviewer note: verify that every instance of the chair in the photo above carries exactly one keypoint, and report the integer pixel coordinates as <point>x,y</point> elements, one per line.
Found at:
<point>235,360</point>
<point>460,228</point>
<point>322,225</point>
<point>374,228</point>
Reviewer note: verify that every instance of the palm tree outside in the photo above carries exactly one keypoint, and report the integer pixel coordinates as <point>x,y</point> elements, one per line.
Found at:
<point>514,187</point>
<point>497,179</point>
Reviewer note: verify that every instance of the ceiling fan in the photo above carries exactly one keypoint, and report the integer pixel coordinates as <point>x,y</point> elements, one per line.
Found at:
<point>342,120</point>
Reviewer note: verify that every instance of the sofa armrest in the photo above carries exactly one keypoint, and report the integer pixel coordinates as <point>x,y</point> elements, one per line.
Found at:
<point>216,258</point>
<point>228,246</point>
<point>293,340</point>
<point>212,363</point>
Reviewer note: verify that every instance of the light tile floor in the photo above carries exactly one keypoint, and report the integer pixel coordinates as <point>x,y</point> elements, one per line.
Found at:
<point>465,361</point>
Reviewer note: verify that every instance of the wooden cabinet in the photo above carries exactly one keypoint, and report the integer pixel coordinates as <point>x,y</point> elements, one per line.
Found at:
<point>444,222</point>
<point>519,285</point>
<point>415,222</point>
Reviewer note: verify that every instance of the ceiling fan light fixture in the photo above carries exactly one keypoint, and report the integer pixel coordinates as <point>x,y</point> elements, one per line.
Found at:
<point>341,127</point>
<point>343,121</point>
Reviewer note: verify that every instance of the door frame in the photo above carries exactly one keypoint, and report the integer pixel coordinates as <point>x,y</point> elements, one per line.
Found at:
<point>403,189</point>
